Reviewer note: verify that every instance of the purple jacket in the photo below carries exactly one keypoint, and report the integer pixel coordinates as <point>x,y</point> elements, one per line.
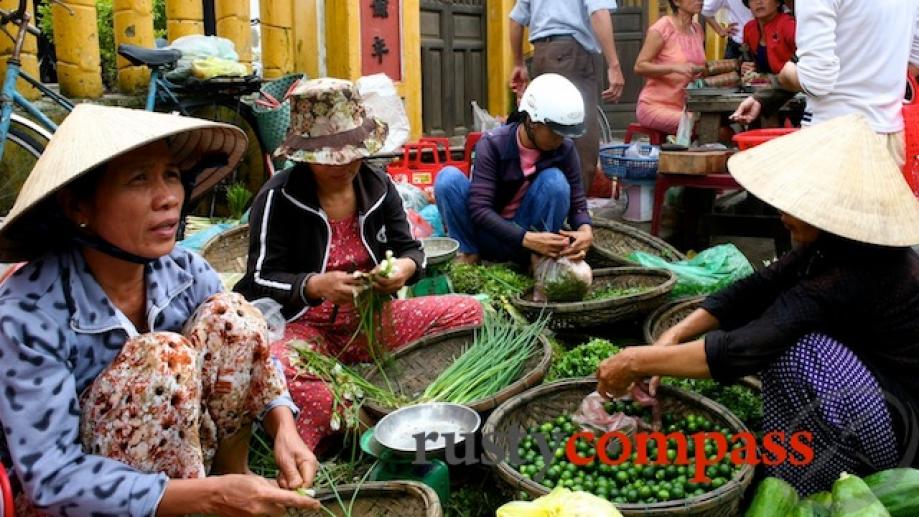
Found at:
<point>497,176</point>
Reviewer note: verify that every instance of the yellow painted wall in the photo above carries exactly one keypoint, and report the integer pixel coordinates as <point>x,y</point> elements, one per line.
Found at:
<point>410,87</point>
<point>184,18</point>
<point>306,38</point>
<point>277,35</point>
<point>343,38</point>
<point>500,61</point>
<point>79,70</point>
<point>133,24</point>
<point>28,57</point>
<point>233,24</point>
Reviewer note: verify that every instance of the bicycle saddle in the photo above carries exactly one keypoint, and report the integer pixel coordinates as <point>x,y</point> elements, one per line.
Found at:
<point>152,57</point>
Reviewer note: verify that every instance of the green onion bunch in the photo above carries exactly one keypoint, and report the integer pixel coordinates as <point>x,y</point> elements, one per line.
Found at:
<point>493,361</point>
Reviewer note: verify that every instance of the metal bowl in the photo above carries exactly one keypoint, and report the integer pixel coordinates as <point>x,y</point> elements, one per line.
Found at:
<point>397,430</point>
<point>439,249</point>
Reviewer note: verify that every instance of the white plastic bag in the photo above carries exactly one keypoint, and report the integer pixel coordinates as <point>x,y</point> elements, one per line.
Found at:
<point>562,280</point>
<point>482,120</point>
<point>271,311</point>
<point>379,94</point>
<point>199,47</point>
<point>684,131</point>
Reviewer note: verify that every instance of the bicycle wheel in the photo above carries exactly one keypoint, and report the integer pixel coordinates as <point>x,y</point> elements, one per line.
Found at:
<point>21,150</point>
<point>251,171</point>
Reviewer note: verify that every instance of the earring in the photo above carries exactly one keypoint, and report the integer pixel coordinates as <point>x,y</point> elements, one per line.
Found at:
<point>82,225</point>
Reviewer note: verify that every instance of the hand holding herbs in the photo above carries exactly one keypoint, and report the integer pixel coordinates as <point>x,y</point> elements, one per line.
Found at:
<point>392,274</point>
<point>337,287</point>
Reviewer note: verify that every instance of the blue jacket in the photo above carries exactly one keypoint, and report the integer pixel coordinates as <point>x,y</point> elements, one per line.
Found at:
<point>58,331</point>
<point>497,177</point>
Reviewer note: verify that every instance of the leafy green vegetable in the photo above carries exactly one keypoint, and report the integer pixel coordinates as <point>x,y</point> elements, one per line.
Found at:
<point>494,280</point>
<point>582,360</point>
<point>238,197</point>
<point>611,292</point>
<point>746,404</point>
<point>566,289</point>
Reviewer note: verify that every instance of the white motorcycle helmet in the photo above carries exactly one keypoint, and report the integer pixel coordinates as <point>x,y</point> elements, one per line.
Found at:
<point>556,102</point>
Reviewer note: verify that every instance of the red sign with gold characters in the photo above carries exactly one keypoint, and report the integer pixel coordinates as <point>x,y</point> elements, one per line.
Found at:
<point>381,38</point>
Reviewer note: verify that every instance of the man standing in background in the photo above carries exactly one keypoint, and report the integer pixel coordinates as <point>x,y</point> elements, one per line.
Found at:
<point>566,36</point>
<point>738,16</point>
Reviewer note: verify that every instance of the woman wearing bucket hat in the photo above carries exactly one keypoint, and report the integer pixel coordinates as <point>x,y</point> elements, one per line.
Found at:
<point>526,182</point>
<point>832,326</point>
<point>317,223</point>
<point>106,407</point>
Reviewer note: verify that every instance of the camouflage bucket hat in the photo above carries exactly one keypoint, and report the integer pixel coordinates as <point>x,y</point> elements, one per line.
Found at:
<point>330,125</point>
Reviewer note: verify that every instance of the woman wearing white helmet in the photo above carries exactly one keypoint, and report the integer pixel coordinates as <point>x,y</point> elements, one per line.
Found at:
<point>525,184</point>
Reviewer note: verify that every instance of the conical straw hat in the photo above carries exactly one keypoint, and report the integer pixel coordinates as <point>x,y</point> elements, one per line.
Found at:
<point>92,135</point>
<point>837,176</point>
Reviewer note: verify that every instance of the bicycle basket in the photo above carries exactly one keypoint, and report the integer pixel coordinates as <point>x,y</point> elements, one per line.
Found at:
<point>616,165</point>
<point>274,121</point>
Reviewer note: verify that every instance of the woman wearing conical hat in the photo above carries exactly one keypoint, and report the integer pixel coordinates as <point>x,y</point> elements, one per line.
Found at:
<point>317,223</point>
<point>130,381</point>
<point>833,326</point>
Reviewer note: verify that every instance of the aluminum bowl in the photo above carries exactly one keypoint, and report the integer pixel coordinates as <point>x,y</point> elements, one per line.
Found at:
<point>439,249</point>
<point>397,430</point>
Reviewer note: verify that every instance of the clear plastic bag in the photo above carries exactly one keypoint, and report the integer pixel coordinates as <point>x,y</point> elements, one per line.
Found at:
<point>592,416</point>
<point>562,280</point>
<point>271,311</point>
<point>380,95</point>
<point>482,120</point>
<point>684,131</point>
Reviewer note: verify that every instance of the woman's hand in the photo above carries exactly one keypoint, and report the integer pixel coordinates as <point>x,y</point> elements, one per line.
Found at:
<point>297,464</point>
<point>245,495</point>
<point>337,287</point>
<point>546,244</point>
<point>615,375</point>
<point>403,270</point>
<point>688,70</point>
<point>747,67</point>
<point>748,111</point>
<point>582,238</point>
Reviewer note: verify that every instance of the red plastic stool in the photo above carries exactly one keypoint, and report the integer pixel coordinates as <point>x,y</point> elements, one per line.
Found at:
<point>666,181</point>
<point>656,137</point>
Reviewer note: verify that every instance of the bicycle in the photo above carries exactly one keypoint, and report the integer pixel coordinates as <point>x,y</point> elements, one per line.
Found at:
<point>27,136</point>
<point>217,99</point>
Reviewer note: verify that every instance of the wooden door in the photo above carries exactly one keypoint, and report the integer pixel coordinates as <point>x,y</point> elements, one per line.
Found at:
<point>630,22</point>
<point>453,64</point>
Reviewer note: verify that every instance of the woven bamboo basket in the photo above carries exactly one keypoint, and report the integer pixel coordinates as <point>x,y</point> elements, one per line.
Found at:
<point>669,315</point>
<point>614,241</point>
<point>380,499</point>
<point>564,397</point>
<point>227,251</point>
<point>593,313</point>
<point>416,366</point>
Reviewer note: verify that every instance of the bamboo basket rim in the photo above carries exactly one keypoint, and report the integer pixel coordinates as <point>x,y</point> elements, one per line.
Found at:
<point>590,305</point>
<point>528,379</point>
<point>654,317</point>
<point>211,245</point>
<point>412,489</point>
<point>635,233</point>
<point>733,488</point>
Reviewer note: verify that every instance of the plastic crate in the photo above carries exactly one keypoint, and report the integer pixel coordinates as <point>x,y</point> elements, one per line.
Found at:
<point>616,165</point>
<point>755,137</point>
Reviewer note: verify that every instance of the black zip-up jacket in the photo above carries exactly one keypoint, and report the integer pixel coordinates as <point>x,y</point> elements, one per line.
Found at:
<point>289,234</point>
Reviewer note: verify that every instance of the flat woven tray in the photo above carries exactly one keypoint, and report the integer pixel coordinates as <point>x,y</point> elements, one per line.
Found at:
<point>380,499</point>
<point>614,241</point>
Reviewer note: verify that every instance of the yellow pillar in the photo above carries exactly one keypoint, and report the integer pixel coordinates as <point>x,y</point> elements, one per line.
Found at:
<point>79,71</point>
<point>28,57</point>
<point>715,44</point>
<point>133,24</point>
<point>277,37</point>
<point>654,11</point>
<point>410,88</point>
<point>306,38</point>
<point>343,38</point>
<point>184,18</point>
<point>233,24</point>
<point>500,60</point>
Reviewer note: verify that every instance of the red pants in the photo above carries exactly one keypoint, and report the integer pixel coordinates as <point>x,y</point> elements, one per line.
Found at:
<point>404,321</point>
